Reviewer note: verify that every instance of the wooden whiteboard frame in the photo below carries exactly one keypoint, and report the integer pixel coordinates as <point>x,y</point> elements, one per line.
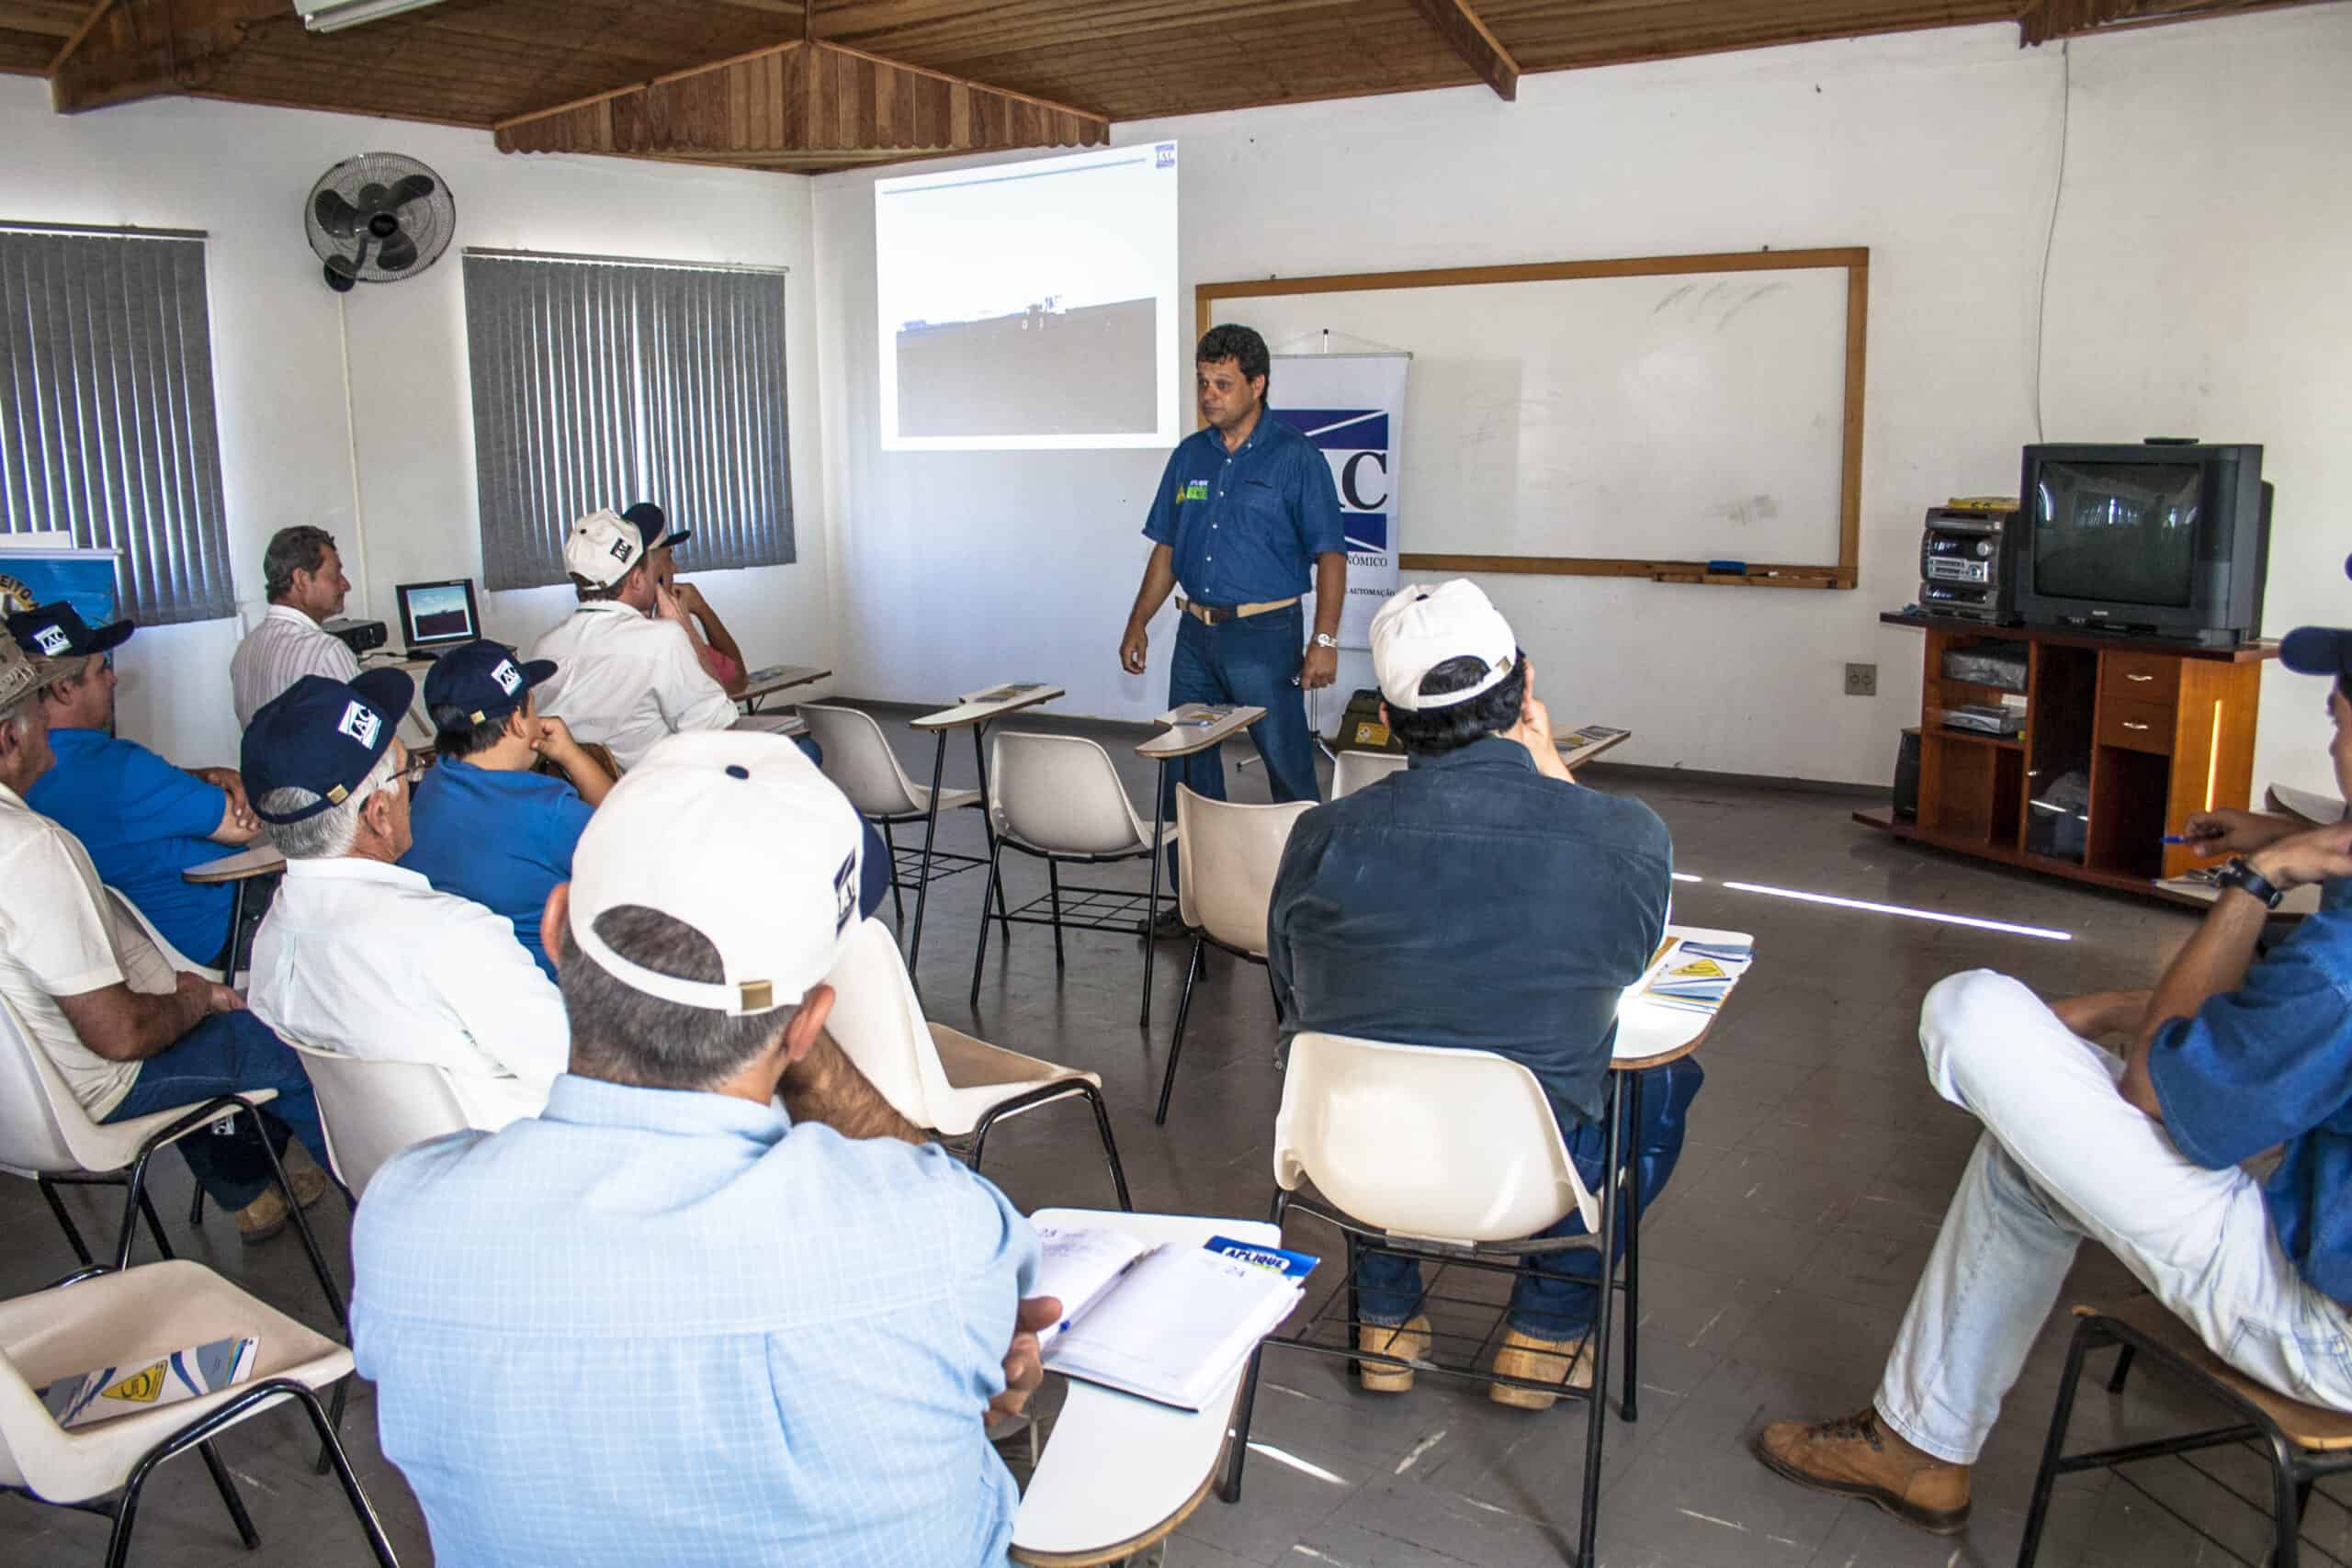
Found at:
<point>1854,259</point>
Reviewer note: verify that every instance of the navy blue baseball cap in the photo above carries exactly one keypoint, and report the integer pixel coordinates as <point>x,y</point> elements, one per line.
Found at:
<point>655,526</point>
<point>58,631</point>
<point>2318,651</point>
<point>322,736</point>
<point>483,681</point>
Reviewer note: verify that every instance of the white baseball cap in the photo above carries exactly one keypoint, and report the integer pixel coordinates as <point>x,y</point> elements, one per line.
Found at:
<point>737,834</point>
<point>1420,627</point>
<point>603,547</point>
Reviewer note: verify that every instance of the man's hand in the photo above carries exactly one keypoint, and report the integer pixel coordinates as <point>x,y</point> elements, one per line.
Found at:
<point>1534,732</point>
<point>1320,667</point>
<point>688,598</point>
<point>2227,831</point>
<point>2102,1012</point>
<point>231,784</point>
<point>1132,649</point>
<point>2304,858</point>
<point>1024,1369</point>
<point>200,997</point>
<point>555,739</point>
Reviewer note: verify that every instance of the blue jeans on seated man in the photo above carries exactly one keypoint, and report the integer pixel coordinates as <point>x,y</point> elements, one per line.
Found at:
<point>229,1052</point>
<point>1253,663</point>
<point>1556,1301</point>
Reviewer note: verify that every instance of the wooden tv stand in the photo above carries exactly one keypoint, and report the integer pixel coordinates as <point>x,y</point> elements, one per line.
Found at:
<point>2160,729</point>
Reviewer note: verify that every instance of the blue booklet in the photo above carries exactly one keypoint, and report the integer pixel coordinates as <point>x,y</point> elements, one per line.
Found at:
<point>1291,1266</point>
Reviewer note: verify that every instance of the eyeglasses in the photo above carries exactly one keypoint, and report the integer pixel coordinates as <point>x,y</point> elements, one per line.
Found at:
<point>413,772</point>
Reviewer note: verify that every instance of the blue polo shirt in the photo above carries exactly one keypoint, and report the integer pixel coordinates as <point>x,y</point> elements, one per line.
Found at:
<point>1246,526</point>
<point>2269,1064</point>
<point>1471,902</point>
<point>501,838</point>
<point>143,821</point>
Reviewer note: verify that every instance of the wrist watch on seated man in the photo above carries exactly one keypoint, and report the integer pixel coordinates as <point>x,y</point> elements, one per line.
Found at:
<point>2240,873</point>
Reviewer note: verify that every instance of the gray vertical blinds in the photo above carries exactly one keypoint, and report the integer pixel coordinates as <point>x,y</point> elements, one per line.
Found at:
<point>107,424</point>
<point>603,383</point>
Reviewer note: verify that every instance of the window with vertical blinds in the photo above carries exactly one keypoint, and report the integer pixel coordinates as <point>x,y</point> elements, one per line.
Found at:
<point>106,425</point>
<point>601,383</point>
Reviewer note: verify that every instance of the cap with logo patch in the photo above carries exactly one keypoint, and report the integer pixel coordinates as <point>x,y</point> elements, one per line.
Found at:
<point>322,736</point>
<point>19,676</point>
<point>655,526</point>
<point>482,681</point>
<point>603,548</point>
<point>1423,626</point>
<point>768,874</point>
<point>57,633</point>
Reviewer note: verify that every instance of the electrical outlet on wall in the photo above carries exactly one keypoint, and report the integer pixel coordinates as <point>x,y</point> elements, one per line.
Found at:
<point>1861,680</point>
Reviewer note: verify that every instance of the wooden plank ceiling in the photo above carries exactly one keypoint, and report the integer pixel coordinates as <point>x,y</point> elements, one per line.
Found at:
<point>1077,63</point>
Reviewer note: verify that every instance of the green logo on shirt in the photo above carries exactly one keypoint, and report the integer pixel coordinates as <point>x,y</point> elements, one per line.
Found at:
<point>1192,490</point>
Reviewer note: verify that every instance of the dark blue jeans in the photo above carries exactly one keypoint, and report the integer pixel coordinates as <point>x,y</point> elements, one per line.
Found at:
<point>230,1053</point>
<point>1557,1302</point>
<point>1253,662</point>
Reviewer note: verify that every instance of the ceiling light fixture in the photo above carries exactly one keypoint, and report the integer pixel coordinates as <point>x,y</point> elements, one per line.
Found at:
<point>333,15</point>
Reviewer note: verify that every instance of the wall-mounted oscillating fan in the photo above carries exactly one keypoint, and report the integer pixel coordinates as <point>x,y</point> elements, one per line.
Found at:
<point>379,218</point>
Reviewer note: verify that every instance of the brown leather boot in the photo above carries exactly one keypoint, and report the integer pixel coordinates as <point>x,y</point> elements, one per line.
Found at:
<point>1409,1340</point>
<point>1568,1361</point>
<point>1860,1457</point>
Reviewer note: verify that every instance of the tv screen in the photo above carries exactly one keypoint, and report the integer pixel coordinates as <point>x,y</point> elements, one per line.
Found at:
<point>433,613</point>
<point>2119,531</point>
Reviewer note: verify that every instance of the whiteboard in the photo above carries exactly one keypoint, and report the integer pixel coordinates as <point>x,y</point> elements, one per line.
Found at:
<point>1678,416</point>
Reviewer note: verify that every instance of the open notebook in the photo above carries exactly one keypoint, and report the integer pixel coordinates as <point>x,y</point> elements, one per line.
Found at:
<point>1171,1324</point>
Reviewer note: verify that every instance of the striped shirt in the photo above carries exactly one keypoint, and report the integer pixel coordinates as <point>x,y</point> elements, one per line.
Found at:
<point>286,646</point>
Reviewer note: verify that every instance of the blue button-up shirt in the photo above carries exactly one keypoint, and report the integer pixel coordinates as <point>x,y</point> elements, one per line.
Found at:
<point>658,1326</point>
<point>501,837</point>
<point>1246,526</point>
<point>2268,1064</point>
<point>1469,901</point>
<point>143,821</point>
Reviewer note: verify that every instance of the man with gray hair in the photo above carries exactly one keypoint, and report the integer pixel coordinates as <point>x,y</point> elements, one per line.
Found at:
<point>359,954</point>
<point>129,1036</point>
<point>302,575</point>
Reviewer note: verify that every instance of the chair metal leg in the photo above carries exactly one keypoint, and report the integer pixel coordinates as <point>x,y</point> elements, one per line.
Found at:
<point>1110,1146</point>
<point>195,1207</point>
<point>898,895</point>
<point>980,952</point>
<point>155,1225</point>
<point>1151,911</point>
<point>64,1220</point>
<point>1231,1491</point>
<point>360,1507</point>
<point>1176,1045</point>
<point>930,836</point>
<point>2286,1549</point>
<point>988,827</point>
<point>1604,1302</point>
<point>228,1490</point>
<point>2055,1446</point>
<point>1054,885</point>
<point>334,1418</point>
<point>301,1224</point>
<point>2122,1370</point>
<point>1632,1220</point>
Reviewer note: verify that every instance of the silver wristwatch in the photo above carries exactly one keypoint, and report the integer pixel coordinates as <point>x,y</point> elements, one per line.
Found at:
<point>1325,639</point>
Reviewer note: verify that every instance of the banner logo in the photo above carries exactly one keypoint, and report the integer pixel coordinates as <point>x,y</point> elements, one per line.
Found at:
<point>1356,443</point>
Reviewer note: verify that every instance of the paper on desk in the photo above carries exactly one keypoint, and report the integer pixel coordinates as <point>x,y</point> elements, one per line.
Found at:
<point>1177,1326</point>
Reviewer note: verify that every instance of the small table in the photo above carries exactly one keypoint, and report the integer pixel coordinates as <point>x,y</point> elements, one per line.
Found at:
<point>1120,1473</point>
<point>776,678</point>
<point>1192,727</point>
<point>259,858</point>
<point>1581,746</point>
<point>975,712</point>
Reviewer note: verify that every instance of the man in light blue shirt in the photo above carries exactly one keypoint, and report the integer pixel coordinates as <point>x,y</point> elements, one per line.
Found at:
<point>668,1321</point>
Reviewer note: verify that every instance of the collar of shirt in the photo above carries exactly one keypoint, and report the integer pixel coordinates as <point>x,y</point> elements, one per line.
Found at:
<point>355,868</point>
<point>593,1102</point>
<point>11,801</point>
<point>609,607</point>
<point>1496,748</point>
<point>293,617</point>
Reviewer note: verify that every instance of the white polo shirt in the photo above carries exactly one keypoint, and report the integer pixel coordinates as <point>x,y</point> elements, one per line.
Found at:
<point>367,959</point>
<point>286,646</point>
<point>628,679</point>
<point>61,936</point>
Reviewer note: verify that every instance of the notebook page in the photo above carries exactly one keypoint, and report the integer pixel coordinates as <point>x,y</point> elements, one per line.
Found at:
<point>1176,1327</point>
<point>1081,1264</point>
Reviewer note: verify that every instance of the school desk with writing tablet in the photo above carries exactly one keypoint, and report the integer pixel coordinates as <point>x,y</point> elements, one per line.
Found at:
<point>1120,1473</point>
<point>776,678</point>
<point>974,711</point>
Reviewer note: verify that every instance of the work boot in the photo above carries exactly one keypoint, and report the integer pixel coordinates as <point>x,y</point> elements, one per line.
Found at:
<point>1860,1456</point>
<point>266,1215</point>
<point>1567,1362</point>
<point>1410,1339</point>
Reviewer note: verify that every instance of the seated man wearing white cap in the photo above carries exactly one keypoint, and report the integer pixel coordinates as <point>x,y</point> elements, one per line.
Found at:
<point>625,677</point>
<point>719,1306</point>
<point>1481,899</point>
<point>361,955</point>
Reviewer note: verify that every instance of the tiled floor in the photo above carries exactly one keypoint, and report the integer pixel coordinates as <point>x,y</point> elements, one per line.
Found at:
<point>1774,1270</point>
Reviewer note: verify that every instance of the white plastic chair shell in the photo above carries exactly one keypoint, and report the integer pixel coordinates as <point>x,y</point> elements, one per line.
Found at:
<point>372,1110</point>
<point>1061,794</point>
<point>1351,771</point>
<point>172,955</point>
<point>119,1318</point>
<point>1425,1141</point>
<point>1227,854</point>
<point>859,758</point>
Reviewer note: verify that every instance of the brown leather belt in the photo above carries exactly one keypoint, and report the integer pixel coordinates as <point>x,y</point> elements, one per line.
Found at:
<point>1209,616</point>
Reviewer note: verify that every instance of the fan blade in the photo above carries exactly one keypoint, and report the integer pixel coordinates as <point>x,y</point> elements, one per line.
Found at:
<point>374,198</point>
<point>336,216</point>
<point>397,254</point>
<point>412,188</point>
<point>346,266</point>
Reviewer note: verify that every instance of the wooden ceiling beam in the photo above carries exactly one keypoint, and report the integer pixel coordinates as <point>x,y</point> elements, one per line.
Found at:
<point>1467,36</point>
<point>144,48</point>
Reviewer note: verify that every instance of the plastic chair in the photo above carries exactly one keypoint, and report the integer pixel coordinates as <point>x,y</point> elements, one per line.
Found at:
<point>1059,797</point>
<point>1228,856</point>
<point>858,758</point>
<point>104,1318</point>
<point>172,955</point>
<point>1445,1155</point>
<point>2300,1442</point>
<point>1351,771</point>
<point>373,1110</point>
<point>941,1080</point>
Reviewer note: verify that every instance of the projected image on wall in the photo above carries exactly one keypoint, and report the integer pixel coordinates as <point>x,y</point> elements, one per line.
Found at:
<point>1030,304</point>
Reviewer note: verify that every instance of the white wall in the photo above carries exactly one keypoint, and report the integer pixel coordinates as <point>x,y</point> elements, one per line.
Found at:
<point>286,451</point>
<point>2192,292</point>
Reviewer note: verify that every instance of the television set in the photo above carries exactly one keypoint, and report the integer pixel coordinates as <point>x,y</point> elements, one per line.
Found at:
<point>438,615</point>
<point>2163,539</point>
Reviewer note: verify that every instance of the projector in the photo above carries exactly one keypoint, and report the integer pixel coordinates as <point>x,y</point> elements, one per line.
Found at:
<point>356,636</point>
<point>1984,718</point>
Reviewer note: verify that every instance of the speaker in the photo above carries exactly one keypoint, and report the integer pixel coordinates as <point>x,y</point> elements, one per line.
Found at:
<point>1906,775</point>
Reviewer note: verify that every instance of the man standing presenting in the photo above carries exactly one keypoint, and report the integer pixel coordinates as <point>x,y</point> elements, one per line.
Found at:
<point>1242,508</point>
<point>302,574</point>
